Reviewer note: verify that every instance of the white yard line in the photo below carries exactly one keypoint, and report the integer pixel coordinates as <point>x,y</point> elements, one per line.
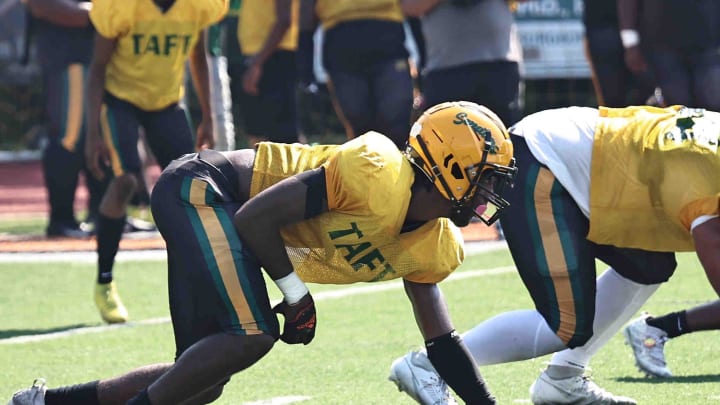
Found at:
<point>320,296</point>
<point>159,254</point>
<point>279,400</point>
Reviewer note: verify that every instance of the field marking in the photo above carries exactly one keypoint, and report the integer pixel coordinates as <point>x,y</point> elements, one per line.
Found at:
<point>279,400</point>
<point>471,248</point>
<point>320,296</point>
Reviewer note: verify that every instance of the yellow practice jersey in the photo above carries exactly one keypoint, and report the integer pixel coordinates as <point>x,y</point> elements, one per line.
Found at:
<point>147,68</point>
<point>359,238</point>
<point>333,12</point>
<point>256,21</point>
<point>654,171</point>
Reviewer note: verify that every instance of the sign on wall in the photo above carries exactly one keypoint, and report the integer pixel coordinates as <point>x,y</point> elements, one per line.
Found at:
<point>551,33</point>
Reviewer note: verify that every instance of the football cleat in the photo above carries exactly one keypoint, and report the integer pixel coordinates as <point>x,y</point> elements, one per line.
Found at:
<point>416,376</point>
<point>576,390</point>
<point>109,304</point>
<point>648,345</point>
<point>35,395</point>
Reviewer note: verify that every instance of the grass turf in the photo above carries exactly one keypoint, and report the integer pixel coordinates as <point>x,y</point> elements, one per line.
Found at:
<point>348,362</point>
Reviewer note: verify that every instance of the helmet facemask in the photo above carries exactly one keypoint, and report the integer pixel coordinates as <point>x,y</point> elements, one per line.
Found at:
<point>491,185</point>
<point>488,179</point>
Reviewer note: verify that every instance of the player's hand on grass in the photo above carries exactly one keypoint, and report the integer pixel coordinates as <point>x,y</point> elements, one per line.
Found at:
<point>300,320</point>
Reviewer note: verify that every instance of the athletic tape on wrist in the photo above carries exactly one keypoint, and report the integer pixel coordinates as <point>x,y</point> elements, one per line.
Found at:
<point>629,38</point>
<point>292,288</point>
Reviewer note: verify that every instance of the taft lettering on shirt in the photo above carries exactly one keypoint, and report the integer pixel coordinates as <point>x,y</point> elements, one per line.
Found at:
<point>160,44</point>
<point>358,252</point>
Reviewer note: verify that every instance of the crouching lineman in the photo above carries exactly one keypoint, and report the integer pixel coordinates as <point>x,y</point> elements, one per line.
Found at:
<point>359,212</point>
<point>627,186</point>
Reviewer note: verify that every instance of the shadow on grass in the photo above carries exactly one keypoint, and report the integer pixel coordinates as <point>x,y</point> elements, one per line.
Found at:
<point>11,333</point>
<point>685,379</point>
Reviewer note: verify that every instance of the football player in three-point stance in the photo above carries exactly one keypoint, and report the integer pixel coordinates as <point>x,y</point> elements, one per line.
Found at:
<point>627,186</point>
<point>363,211</point>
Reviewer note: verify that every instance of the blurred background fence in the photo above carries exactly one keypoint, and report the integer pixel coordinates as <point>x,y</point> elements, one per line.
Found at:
<point>555,74</point>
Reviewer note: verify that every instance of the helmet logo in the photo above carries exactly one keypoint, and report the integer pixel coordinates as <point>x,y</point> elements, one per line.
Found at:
<point>462,118</point>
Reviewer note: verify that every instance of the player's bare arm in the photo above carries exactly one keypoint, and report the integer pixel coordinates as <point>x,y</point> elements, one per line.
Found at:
<point>251,78</point>
<point>259,222</point>
<point>707,246</point>
<point>260,219</point>
<point>95,148</point>
<point>65,13</point>
<point>201,80</point>
<point>444,346</point>
<point>430,310</point>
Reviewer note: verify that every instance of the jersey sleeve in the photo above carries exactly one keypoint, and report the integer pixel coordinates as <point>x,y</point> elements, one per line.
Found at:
<point>362,176</point>
<point>438,249</point>
<point>212,11</point>
<point>704,206</point>
<point>112,18</point>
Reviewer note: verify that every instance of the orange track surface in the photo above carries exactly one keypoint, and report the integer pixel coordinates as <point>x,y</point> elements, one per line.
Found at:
<point>23,195</point>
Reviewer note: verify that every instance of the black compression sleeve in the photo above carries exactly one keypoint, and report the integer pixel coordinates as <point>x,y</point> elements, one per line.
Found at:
<point>316,197</point>
<point>454,363</point>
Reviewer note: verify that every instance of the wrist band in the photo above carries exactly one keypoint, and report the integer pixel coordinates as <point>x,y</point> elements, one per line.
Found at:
<point>292,288</point>
<point>629,38</point>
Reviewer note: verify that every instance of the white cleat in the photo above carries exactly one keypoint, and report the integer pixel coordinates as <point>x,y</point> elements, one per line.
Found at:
<point>416,376</point>
<point>577,390</point>
<point>648,346</point>
<point>35,395</point>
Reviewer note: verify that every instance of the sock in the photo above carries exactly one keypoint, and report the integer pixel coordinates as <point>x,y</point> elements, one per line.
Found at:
<point>617,299</point>
<point>674,324</point>
<point>60,170</point>
<point>141,398</point>
<point>511,336</point>
<point>85,394</point>
<point>562,372</point>
<point>109,232</point>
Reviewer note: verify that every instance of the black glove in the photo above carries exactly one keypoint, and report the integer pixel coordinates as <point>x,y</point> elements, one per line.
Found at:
<point>300,320</point>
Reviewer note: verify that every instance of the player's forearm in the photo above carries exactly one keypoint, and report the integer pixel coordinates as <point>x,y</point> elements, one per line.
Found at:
<point>65,13</point>
<point>627,14</point>
<point>262,235</point>
<point>277,32</point>
<point>93,99</point>
<point>201,76</point>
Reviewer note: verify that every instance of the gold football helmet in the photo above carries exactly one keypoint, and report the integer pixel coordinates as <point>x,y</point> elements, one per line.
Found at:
<point>464,148</point>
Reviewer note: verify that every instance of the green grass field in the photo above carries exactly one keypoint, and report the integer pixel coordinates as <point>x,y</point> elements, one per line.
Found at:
<point>358,336</point>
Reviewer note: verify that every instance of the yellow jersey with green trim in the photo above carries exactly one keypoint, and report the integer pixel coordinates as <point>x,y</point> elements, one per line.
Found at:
<point>359,238</point>
<point>256,21</point>
<point>147,67</point>
<point>653,171</point>
<point>332,12</point>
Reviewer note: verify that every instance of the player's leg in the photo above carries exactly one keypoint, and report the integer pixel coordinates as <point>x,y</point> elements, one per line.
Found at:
<point>347,65</point>
<point>672,75</point>
<point>633,277</point>
<point>168,133</point>
<point>392,92</point>
<point>272,115</point>
<point>546,232</point>
<point>62,158</point>
<point>221,313</point>
<point>119,128</point>
<point>706,77</point>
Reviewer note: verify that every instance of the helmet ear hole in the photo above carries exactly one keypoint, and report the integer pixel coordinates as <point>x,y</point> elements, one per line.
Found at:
<point>456,171</point>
